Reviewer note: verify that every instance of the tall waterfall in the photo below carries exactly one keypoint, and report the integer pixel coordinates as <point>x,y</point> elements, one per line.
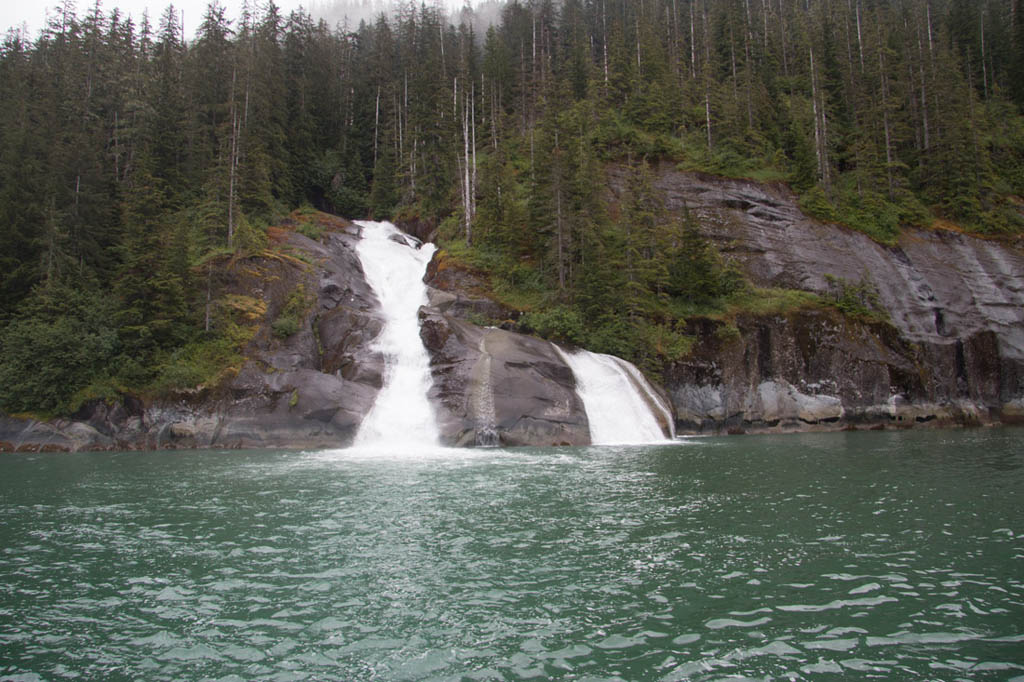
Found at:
<point>402,416</point>
<point>617,398</point>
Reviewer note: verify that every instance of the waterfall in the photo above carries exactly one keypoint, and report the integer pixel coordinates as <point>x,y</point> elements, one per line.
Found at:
<point>401,416</point>
<point>617,399</point>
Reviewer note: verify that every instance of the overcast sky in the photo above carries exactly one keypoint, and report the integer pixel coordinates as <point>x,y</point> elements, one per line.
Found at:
<point>33,12</point>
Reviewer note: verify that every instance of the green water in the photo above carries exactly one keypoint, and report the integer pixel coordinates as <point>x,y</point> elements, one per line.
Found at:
<point>834,556</point>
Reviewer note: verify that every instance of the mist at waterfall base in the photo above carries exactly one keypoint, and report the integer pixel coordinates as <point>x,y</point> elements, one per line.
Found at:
<point>887,555</point>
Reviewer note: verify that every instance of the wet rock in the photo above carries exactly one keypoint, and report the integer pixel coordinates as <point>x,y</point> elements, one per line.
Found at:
<point>526,396</point>
<point>62,435</point>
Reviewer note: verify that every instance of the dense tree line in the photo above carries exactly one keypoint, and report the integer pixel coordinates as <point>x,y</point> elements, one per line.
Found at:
<point>131,158</point>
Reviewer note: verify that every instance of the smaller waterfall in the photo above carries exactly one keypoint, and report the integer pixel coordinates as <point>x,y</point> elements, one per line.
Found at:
<point>482,400</point>
<point>401,416</point>
<point>617,398</point>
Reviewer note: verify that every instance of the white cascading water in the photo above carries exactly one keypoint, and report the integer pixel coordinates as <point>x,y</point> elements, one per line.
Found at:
<point>401,417</point>
<point>617,412</point>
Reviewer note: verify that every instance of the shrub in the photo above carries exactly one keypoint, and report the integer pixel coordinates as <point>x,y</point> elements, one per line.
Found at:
<point>201,363</point>
<point>292,315</point>
<point>857,299</point>
<point>561,324</point>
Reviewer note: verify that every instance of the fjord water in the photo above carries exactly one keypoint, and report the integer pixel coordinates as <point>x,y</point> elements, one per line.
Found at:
<point>894,555</point>
<point>394,263</point>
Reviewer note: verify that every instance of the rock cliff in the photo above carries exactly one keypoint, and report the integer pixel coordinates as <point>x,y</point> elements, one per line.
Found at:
<point>953,353</point>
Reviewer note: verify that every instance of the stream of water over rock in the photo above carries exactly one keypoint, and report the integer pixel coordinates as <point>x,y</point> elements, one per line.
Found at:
<point>618,400</point>
<point>394,263</point>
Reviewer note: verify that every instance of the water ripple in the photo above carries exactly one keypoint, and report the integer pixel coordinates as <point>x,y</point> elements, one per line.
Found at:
<point>753,558</point>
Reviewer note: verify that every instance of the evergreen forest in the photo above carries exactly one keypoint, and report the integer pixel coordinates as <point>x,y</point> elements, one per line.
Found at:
<point>135,160</point>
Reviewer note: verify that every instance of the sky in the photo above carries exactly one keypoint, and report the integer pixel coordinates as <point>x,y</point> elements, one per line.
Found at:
<point>33,12</point>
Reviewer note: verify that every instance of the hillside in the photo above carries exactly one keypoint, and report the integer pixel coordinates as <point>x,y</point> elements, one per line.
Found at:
<point>302,371</point>
<point>620,176</point>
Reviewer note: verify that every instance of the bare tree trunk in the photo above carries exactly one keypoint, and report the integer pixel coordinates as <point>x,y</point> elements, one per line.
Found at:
<point>494,118</point>
<point>117,152</point>
<point>376,123</point>
<point>405,107</point>
<point>705,32</point>
<point>639,65</point>
<point>561,236</point>
<point>747,40</point>
<point>764,14</point>
<point>604,28</point>
<point>732,61</point>
<point>440,34</point>
<point>472,125</point>
<point>984,66</point>
<point>675,35</point>
<point>693,46</point>
<point>846,28</point>
<point>860,40</point>
<point>232,162</point>
<point>248,75</point>
<point>533,50</point>
<point>826,169</point>
<point>522,79</point>
<point>928,18</point>
<point>466,201</point>
<point>531,151</point>
<point>817,123</point>
<point>707,109</point>
<point>707,74</point>
<point>970,110</point>
<point>885,125</point>
<point>924,92</point>
<point>782,35</point>
<point>209,276</point>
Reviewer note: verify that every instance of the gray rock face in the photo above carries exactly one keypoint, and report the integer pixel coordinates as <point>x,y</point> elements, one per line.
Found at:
<point>313,388</point>
<point>956,304</point>
<point>495,387</point>
<point>29,435</point>
<point>937,286</point>
<point>460,292</point>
